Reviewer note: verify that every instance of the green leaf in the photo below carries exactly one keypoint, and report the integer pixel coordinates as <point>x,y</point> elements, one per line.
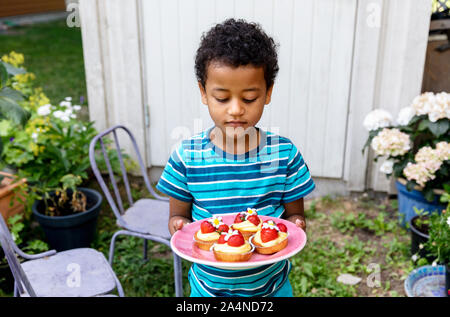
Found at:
<point>13,71</point>
<point>3,75</point>
<point>439,127</point>
<point>9,107</point>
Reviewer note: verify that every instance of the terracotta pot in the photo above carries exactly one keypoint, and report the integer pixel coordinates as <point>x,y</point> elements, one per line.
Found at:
<point>7,195</point>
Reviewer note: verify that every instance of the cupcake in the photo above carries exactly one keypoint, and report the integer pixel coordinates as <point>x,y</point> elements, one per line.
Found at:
<point>232,247</point>
<point>247,222</point>
<point>209,232</point>
<point>271,238</point>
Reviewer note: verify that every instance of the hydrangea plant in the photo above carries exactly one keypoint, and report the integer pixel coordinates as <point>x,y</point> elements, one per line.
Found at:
<point>415,146</point>
<point>51,148</point>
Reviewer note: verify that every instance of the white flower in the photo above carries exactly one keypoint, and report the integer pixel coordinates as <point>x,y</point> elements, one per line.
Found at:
<point>422,104</point>
<point>63,115</point>
<point>376,119</point>
<point>386,167</point>
<point>391,142</point>
<point>44,110</point>
<point>418,172</point>
<point>76,107</point>
<point>414,257</point>
<point>34,136</point>
<point>68,98</point>
<point>448,221</point>
<point>405,115</point>
<point>434,263</point>
<point>436,106</point>
<point>440,108</point>
<point>443,150</point>
<point>429,158</point>
<point>66,104</point>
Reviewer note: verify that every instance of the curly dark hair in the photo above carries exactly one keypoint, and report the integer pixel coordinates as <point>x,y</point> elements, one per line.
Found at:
<point>237,43</point>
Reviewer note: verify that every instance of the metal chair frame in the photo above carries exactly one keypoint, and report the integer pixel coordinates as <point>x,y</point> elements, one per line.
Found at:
<point>22,285</point>
<point>118,208</point>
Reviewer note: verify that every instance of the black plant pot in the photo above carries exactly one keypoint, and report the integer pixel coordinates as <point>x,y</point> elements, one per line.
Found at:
<point>73,231</point>
<point>419,237</point>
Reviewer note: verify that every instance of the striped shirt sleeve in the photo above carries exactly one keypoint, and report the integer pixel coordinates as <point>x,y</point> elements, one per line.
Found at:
<point>173,181</point>
<point>299,182</point>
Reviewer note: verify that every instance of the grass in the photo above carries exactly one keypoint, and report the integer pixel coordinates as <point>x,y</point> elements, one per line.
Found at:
<point>354,235</point>
<point>54,53</point>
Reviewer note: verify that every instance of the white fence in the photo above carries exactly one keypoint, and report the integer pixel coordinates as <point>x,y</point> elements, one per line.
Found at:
<point>338,60</point>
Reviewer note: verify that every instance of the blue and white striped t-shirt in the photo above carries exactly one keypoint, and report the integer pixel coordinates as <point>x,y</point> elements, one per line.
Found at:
<point>217,182</point>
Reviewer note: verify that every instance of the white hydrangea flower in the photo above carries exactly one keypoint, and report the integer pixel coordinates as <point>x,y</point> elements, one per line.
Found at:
<point>376,119</point>
<point>387,167</point>
<point>440,108</point>
<point>44,110</point>
<point>405,115</point>
<point>418,172</point>
<point>391,142</point>
<point>422,104</point>
<point>429,158</point>
<point>443,150</point>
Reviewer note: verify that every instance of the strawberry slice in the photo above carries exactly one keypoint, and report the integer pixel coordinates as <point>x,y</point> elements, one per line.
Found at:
<point>254,219</point>
<point>236,240</point>
<point>239,218</point>
<point>268,235</point>
<point>223,228</point>
<point>207,227</point>
<point>282,227</point>
<point>222,239</point>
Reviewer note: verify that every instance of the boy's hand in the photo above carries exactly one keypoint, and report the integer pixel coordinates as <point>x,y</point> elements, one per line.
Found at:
<point>176,223</point>
<point>299,221</point>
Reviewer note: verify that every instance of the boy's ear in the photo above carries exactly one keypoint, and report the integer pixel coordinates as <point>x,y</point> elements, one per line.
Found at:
<point>269,95</point>
<point>203,93</point>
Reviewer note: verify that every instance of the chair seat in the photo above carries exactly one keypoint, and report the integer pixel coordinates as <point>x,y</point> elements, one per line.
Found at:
<point>149,216</point>
<point>57,275</point>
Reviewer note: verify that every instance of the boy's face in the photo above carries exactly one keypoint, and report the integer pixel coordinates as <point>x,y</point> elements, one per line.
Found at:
<point>235,97</point>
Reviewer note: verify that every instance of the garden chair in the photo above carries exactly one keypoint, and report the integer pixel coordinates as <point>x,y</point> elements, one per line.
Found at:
<point>79,272</point>
<point>145,218</point>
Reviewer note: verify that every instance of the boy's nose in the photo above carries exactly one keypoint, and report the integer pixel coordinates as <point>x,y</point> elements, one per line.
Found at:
<point>235,108</point>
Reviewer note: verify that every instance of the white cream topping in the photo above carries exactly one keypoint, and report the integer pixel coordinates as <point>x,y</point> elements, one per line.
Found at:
<point>224,247</point>
<point>210,236</point>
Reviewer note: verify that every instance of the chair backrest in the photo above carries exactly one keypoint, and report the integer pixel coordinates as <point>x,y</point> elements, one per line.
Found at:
<point>7,243</point>
<point>117,203</point>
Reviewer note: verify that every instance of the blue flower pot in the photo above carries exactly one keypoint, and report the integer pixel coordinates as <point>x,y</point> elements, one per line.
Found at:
<point>407,200</point>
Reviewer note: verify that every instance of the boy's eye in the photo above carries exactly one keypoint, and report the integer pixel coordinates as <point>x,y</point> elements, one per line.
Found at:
<point>249,100</point>
<point>222,100</point>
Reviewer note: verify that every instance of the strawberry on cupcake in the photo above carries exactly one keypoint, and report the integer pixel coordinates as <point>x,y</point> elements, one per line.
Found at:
<point>209,232</point>
<point>232,247</point>
<point>247,222</point>
<point>271,238</point>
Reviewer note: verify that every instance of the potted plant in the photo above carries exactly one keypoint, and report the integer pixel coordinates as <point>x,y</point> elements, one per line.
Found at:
<point>51,151</point>
<point>416,151</point>
<point>438,244</point>
<point>11,113</point>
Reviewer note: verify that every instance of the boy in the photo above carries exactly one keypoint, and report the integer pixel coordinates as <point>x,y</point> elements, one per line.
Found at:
<point>235,165</point>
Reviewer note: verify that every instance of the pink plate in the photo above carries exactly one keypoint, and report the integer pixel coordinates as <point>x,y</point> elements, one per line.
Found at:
<point>182,244</point>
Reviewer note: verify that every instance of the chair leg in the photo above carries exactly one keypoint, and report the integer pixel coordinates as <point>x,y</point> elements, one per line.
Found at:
<point>178,275</point>
<point>145,250</point>
<point>112,245</point>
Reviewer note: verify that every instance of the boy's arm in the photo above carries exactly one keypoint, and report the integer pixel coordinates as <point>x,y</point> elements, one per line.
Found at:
<point>180,214</point>
<point>294,212</point>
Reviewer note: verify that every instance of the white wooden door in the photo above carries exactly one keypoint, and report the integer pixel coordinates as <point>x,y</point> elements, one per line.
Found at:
<point>311,94</point>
